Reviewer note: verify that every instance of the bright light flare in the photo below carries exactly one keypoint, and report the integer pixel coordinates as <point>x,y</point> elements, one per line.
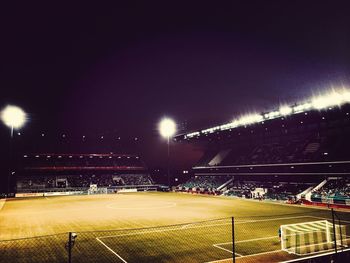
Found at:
<point>302,107</point>
<point>332,99</point>
<point>336,97</point>
<point>167,127</point>
<point>250,119</point>
<point>272,115</point>
<point>13,116</point>
<point>346,96</point>
<point>286,110</point>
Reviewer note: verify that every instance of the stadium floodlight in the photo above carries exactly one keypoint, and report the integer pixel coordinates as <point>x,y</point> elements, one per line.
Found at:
<point>167,127</point>
<point>250,119</point>
<point>336,97</point>
<point>302,107</point>
<point>272,115</point>
<point>331,99</point>
<point>346,96</point>
<point>13,117</point>
<point>286,110</point>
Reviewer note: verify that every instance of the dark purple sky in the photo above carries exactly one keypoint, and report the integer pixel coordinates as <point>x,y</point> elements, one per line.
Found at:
<point>98,69</point>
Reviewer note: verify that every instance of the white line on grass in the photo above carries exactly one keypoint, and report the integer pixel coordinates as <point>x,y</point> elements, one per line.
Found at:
<point>122,259</point>
<point>262,253</point>
<point>319,217</point>
<point>247,240</point>
<point>191,226</point>
<point>270,219</point>
<point>227,250</point>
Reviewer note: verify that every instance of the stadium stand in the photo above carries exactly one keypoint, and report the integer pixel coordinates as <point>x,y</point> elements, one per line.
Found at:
<point>77,172</point>
<point>286,156</point>
<point>204,183</point>
<point>335,190</point>
<point>285,191</point>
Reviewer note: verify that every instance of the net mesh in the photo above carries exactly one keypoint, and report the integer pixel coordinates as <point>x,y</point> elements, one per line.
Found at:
<point>311,237</point>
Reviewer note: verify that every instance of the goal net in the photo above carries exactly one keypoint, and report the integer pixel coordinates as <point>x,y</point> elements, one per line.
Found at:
<point>311,237</point>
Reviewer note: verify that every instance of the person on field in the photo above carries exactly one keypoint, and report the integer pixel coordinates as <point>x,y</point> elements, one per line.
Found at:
<point>279,233</point>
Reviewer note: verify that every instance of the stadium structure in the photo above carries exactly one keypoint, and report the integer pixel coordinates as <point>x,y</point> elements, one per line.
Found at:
<point>297,153</point>
<point>105,208</point>
<point>65,174</point>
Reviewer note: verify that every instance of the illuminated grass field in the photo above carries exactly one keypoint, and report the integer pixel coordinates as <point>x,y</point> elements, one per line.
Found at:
<point>147,227</point>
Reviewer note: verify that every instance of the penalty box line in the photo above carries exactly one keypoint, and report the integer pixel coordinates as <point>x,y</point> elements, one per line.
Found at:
<point>193,226</point>
<point>219,245</point>
<point>227,250</point>
<point>190,227</point>
<point>111,250</point>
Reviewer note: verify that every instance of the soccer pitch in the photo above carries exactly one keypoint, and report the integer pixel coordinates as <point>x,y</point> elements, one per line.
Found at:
<point>148,227</point>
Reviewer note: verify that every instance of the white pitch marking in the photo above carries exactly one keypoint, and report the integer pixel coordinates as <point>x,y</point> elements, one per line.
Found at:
<point>263,253</point>
<point>188,226</point>
<point>227,250</point>
<point>111,250</point>
<point>319,217</point>
<point>247,240</point>
<point>270,219</point>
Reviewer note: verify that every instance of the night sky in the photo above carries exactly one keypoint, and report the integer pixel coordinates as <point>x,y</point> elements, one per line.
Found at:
<point>98,69</point>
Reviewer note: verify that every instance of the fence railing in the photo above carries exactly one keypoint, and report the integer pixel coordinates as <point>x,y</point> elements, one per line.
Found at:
<point>267,238</point>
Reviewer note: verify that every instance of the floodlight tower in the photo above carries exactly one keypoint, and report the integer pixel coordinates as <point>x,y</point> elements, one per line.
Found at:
<point>167,129</point>
<point>15,118</point>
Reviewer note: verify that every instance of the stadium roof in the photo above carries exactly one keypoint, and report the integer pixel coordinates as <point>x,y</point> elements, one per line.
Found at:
<point>333,98</point>
<point>79,155</point>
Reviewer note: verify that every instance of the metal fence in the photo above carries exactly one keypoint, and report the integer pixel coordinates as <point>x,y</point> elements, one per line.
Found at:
<point>239,239</point>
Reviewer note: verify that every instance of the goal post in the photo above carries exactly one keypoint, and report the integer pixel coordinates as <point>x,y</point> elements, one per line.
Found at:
<point>311,237</point>
<point>93,190</point>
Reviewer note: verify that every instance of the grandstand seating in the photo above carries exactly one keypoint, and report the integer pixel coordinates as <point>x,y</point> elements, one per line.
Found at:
<point>315,136</point>
<point>257,189</point>
<point>204,183</point>
<point>335,190</point>
<point>269,190</point>
<point>82,181</point>
<point>46,172</point>
<point>279,156</point>
<point>284,149</point>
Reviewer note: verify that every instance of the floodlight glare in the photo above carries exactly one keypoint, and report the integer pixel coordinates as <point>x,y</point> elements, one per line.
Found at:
<point>335,97</point>
<point>286,110</point>
<point>346,96</point>
<point>167,128</point>
<point>13,116</point>
<point>250,119</point>
<point>302,107</point>
<point>331,99</point>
